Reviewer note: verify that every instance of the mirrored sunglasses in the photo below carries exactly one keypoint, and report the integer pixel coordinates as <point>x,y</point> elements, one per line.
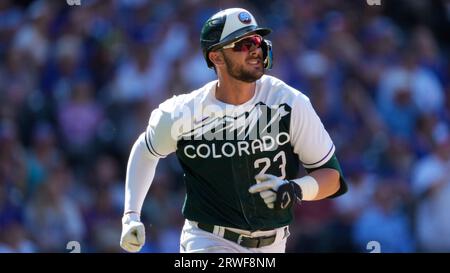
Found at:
<point>246,44</point>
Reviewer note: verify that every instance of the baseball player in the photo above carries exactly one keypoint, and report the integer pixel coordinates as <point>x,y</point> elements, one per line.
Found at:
<point>240,140</point>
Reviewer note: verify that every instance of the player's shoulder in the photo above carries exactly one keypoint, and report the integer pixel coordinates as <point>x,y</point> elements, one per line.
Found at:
<point>179,103</point>
<point>277,91</point>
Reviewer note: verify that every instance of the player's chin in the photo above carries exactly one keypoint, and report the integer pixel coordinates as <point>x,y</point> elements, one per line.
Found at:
<point>252,77</point>
<point>251,74</point>
<point>256,69</point>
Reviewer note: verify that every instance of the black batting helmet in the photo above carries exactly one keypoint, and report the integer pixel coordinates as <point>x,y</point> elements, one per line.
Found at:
<point>228,26</point>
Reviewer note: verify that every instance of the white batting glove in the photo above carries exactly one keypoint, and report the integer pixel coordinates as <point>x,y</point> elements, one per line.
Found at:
<point>133,233</point>
<point>276,192</point>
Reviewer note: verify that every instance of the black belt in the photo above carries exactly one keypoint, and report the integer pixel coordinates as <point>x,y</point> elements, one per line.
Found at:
<point>245,241</point>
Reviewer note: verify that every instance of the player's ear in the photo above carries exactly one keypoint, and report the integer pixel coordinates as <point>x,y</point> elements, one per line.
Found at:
<point>216,57</point>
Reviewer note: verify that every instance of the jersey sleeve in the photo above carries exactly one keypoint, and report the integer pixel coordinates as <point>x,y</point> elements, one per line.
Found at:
<point>310,141</point>
<point>159,136</point>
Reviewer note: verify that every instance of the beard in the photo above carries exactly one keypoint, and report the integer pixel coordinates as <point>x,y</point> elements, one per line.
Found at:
<point>240,73</point>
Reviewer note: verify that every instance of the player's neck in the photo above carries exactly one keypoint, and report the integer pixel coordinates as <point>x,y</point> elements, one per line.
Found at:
<point>234,92</point>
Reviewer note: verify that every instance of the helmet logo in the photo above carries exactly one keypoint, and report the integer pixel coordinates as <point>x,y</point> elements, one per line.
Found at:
<point>244,17</point>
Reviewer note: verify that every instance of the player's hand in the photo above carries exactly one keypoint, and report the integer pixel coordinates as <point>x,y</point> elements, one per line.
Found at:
<point>276,192</point>
<point>133,233</point>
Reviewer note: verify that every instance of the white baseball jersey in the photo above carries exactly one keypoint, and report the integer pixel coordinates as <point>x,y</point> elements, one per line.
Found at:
<point>221,148</point>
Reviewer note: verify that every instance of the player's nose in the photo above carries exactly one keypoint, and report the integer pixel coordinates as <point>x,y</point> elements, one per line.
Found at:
<point>256,53</point>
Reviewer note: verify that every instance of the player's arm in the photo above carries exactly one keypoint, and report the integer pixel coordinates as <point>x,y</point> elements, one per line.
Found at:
<point>316,151</point>
<point>140,172</point>
<point>326,184</point>
<point>330,179</point>
<point>155,143</point>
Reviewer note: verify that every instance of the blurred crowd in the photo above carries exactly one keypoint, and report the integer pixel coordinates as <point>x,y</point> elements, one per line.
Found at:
<point>78,83</point>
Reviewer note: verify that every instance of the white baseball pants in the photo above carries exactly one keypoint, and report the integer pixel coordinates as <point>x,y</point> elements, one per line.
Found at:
<point>196,240</point>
